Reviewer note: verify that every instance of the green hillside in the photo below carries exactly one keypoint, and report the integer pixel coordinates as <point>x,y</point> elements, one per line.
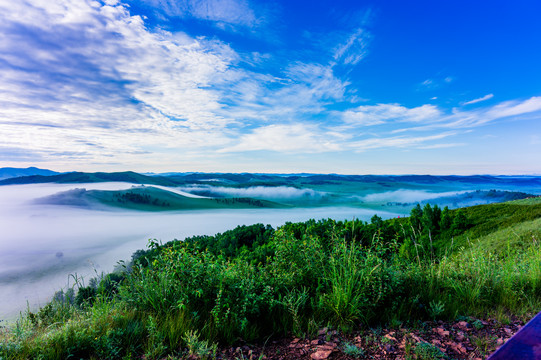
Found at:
<point>149,198</point>
<point>514,223</point>
<point>152,199</point>
<point>182,299</point>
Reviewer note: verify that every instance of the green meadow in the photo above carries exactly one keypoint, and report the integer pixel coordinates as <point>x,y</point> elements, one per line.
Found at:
<point>153,199</point>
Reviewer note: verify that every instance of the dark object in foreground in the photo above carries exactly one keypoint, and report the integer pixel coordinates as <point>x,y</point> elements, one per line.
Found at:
<point>524,345</point>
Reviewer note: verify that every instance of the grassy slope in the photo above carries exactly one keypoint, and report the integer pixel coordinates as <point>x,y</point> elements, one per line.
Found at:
<point>497,226</point>
<point>162,200</point>
<point>301,288</point>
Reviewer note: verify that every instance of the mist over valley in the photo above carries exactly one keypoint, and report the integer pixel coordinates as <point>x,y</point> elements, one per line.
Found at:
<point>54,229</point>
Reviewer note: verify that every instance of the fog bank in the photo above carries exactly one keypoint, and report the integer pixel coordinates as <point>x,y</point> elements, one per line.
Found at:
<point>41,245</point>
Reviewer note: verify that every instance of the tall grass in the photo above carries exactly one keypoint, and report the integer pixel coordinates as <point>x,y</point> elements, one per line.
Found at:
<point>183,298</point>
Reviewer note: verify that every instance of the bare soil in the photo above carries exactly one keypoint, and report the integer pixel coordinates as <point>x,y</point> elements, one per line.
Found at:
<point>466,339</point>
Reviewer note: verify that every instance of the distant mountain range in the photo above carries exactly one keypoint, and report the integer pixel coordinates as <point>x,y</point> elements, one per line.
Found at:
<point>385,192</point>
<point>81,177</point>
<point>9,172</point>
<point>32,175</point>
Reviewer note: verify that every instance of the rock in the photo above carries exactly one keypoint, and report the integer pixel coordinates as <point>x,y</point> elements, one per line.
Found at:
<point>441,331</point>
<point>390,337</point>
<point>463,325</point>
<point>327,346</point>
<point>321,354</point>
<point>459,348</point>
<point>417,338</point>
<point>316,342</point>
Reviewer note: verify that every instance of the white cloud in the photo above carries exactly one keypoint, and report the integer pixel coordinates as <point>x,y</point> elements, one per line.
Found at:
<point>233,12</point>
<point>93,79</point>
<point>397,141</point>
<point>483,98</point>
<point>368,115</point>
<point>435,83</point>
<point>90,81</point>
<point>459,119</point>
<point>354,49</point>
<point>303,89</point>
<point>483,116</point>
<point>515,108</point>
<point>298,138</point>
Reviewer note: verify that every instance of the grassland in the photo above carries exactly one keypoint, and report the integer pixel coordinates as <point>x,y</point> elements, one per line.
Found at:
<point>150,198</point>
<point>187,298</point>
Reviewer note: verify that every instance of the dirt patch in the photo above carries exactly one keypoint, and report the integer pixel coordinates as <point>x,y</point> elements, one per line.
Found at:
<point>465,339</point>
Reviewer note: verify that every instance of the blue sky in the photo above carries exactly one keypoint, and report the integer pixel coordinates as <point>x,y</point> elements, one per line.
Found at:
<point>352,87</point>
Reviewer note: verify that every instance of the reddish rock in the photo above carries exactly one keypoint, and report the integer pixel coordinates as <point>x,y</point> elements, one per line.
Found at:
<point>321,354</point>
<point>441,331</point>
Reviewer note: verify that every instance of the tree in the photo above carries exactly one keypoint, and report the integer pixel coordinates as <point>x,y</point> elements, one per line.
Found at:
<point>460,222</point>
<point>427,219</point>
<point>415,217</point>
<point>446,219</point>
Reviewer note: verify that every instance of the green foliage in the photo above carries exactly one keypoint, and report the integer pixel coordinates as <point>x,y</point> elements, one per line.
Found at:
<point>436,308</point>
<point>199,348</point>
<point>426,351</point>
<point>352,350</point>
<point>358,282</point>
<point>253,282</point>
<point>85,296</point>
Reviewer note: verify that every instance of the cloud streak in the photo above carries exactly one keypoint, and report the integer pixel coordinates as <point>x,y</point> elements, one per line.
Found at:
<point>231,12</point>
<point>483,98</point>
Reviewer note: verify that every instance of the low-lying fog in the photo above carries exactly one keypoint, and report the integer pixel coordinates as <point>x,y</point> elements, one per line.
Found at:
<point>41,245</point>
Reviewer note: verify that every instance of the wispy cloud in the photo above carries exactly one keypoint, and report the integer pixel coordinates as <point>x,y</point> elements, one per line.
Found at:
<point>435,83</point>
<point>299,138</point>
<point>354,49</point>
<point>397,141</point>
<point>483,98</point>
<point>299,91</point>
<point>232,12</point>
<point>368,115</point>
<point>93,74</point>
<point>461,119</point>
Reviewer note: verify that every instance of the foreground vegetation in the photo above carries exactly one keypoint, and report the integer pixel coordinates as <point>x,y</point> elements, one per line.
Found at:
<point>255,282</point>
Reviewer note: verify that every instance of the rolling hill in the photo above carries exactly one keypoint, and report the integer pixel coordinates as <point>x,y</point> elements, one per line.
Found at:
<point>149,198</point>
